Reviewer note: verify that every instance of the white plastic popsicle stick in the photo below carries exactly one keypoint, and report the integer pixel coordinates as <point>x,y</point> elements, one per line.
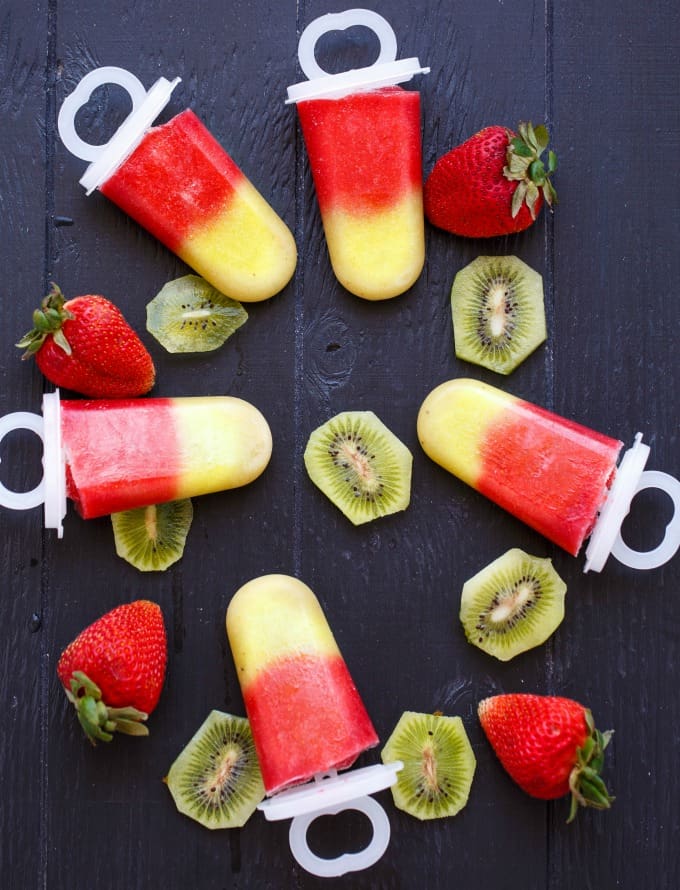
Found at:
<point>346,862</point>
<point>107,157</point>
<point>329,795</point>
<point>631,477</point>
<point>340,21</point>
<point>22,500</point>
<point>81,96</point>
<point>51,490</point>
<point>668,547</point>
<point>385,71</point>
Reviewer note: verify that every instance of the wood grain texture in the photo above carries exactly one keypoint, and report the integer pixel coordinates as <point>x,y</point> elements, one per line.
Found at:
<point>604,78</point>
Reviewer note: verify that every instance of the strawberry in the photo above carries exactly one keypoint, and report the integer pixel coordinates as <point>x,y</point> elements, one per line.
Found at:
<point>113,671</point>
<point>493,184</point>
<point>549,746</point>
<point>85,345</point>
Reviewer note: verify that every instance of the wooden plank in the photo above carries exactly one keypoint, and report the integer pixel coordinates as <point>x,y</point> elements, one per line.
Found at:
<point>234,81</point>
<point>24,608</point>
<point>615,112</point>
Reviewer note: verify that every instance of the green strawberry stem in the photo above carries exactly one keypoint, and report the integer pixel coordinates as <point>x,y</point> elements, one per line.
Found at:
<point>47,320</point>
<point>98,720</point>
<point>524,165</point>
<point>586,786</point>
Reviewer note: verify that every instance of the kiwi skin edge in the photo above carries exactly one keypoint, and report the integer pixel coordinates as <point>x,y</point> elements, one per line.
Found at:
<point>513,604</point>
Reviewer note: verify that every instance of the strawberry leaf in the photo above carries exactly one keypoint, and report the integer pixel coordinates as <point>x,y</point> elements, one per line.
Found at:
<point>542,138</point>
<point>524,165</point>
<point>518,198</point>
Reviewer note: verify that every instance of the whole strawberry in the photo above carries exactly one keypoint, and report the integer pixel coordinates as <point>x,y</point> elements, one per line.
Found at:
<point>85,345</point>
<point>114,670</point>
<point>549,746</point>
<point>493,184</point>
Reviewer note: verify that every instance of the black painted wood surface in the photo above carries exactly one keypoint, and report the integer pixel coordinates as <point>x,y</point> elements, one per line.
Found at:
<point>605,79</point>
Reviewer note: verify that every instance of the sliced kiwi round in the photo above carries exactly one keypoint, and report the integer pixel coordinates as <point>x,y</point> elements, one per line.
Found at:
<point>190,315</point>
<point>216,779</point>
<point>360,465</point>
<point>439,764</point>
<point>153,538</point>
<point>498,312</point>
<point>513,604</point>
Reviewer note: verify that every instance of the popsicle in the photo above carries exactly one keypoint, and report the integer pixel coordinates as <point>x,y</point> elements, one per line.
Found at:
<point>306,716</point>
<point>118,454</point>
<point>362,134</point>
<point>180,184</point>
<point>304,709</point>
<point>550,472</point>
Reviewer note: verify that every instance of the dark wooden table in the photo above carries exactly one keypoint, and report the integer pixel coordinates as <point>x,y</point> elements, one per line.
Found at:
<point>605,79</point>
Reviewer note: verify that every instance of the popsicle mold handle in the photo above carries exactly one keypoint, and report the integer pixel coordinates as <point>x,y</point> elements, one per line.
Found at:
<point>330,794</point>
<point>668,547</point>
<point>631,477</point>
<point>385,71</point>
<point>22,500</point>
<point>108,156</point>
<point>51,490</point>
<point>81,96</point>
<point>331,868</point>
<point>340,21</point>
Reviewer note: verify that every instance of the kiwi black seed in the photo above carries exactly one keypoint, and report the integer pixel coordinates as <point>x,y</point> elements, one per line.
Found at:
<point>439,764</point>
<point>216,779</point>
<point>498,312</point>
<point>513,604</point>
<point>153,538</point>
<point>190,315</point>
<point>360,465</point>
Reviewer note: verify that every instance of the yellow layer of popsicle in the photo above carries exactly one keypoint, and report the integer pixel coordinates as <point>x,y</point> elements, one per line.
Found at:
<point>259,626</point>
<point>378,254</point>
<point>453,421</point>
<point>223,442</point>
<point>247,252</point>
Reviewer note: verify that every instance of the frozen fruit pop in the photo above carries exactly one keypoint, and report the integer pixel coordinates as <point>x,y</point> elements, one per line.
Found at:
<point>178,182</point>
<point>305,712</point>
<point>306,716</point>
<point>553,474</point>
<point>114,455</point>
<point>362,134</point>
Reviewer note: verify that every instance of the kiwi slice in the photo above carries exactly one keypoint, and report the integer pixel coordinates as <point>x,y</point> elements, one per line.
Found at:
<point>216,779</point>
<point>153,538</point>
<point>498,312</point>
<point>190,315</point>
<point>513,604</point>
<point>439,764</point>
<point>360,465</point>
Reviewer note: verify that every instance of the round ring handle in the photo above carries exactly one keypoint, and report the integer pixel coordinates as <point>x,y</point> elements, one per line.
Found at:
<point>81,96</point>
<point>340,21</point>
<point>671,541</point>
<point>22,500</point>
<point>330,868</point>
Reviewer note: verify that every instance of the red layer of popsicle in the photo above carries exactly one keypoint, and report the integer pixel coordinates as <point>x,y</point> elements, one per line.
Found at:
<point>307,708</point>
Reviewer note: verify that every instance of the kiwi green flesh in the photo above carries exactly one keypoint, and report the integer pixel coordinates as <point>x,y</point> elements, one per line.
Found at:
<point>190,315</point>
<point>153,538</point>
<point>439,764</point>
<point>216,779</point>
<point>360,465</point>
<point>498,312</point>
<point>513,604</point>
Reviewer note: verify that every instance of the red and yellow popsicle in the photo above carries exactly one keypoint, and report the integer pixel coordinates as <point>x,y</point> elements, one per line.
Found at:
<point>305,712</point>
<point>365,155</point>
<point>549,472</point>
<point>125,453</point>
<point>182,186</point>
